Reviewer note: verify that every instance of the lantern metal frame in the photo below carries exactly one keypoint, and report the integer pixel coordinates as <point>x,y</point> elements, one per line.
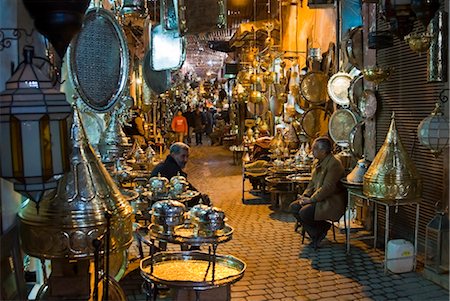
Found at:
<point>437,242</point>
<point>440,122</point>
<point>34,130</point>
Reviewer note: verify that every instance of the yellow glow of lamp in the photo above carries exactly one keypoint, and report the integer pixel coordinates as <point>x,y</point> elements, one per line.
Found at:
<point>34,130</point>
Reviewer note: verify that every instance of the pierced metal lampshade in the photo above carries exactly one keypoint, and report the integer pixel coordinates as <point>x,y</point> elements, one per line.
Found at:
<point>74,215</point>
<point>392,175</point>
<point>34,130</point>
<point>433,131</point>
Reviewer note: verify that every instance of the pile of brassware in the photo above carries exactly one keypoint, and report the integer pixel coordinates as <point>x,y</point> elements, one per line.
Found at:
<point>202,224</point>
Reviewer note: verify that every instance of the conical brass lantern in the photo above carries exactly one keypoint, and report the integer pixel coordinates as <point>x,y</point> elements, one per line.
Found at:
<point>392,175</point>
<point>73,216</point>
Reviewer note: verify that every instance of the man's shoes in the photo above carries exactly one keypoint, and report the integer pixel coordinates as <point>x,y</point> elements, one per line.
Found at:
<point>318,239</point>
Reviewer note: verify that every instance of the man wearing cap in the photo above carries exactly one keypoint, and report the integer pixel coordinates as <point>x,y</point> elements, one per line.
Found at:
<point>324,199</point>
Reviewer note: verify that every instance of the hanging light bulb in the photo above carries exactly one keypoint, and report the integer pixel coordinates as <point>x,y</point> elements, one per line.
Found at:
<point>433,131</point>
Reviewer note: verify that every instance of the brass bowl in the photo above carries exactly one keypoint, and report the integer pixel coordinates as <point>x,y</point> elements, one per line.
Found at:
<point>419,42</point>
<point>377,74</point>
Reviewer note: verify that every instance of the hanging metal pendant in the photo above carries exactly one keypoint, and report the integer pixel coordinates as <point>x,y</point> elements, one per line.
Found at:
<point>57,20</point>
<point>392,175</point>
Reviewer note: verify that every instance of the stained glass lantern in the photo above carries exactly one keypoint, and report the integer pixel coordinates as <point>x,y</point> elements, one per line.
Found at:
<point>433,131</point>
<point>34,130</point>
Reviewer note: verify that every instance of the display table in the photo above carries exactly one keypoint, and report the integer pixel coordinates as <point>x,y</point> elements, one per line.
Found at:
<point>356,191</point>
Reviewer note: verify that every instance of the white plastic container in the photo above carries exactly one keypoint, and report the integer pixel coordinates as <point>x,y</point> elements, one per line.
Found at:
<point>400,256</point>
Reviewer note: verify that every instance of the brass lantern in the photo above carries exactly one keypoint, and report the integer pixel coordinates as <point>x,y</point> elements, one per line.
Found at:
<point>433,131</point>
<point>34,130</point>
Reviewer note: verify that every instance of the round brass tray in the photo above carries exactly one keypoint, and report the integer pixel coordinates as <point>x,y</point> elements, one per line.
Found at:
<point>183,260</point>
<point>300,178</point>
<point>282,170</point>
<point>340,125</point>
<point>313,87</point>
<point>187,195</point>
<point>184,234</point>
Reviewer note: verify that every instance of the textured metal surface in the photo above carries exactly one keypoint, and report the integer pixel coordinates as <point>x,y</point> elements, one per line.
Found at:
<point>226,260</point>
<point>315,122</point>
<point>99,60</point>
<point>341,124</point>
<point>314,87</point>
<point>438,53</point>
<point>338,86</point>
<point>110,139</point>
<point>73,216</point>
<point>392,174</point>
<point>412,97</point>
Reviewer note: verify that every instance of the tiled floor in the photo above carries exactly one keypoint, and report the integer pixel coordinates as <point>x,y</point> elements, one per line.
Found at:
<point>279,267</point>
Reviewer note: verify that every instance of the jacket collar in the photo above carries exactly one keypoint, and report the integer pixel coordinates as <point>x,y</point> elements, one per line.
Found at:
<point>324,161</point>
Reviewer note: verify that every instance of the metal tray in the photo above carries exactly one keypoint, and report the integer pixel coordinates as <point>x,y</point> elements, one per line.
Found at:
<point>300,178</point>
<point>185,257</point>
<point>185,235</point>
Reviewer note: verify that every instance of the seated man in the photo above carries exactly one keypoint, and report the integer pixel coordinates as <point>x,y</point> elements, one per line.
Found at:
<point>174,163</point>
<point>173,166</point>
<point>324,198</point>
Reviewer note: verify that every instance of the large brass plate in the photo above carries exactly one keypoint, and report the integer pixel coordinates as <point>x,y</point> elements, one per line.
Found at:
<point>338,86</point>
<point>315,122</point>
<point>341,124</point>
<point>313,87</point>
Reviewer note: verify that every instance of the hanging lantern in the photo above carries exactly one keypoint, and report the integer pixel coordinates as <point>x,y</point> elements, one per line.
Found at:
<point>433,131</point>
<point>58,20</point>
<point>34,130</point>
<point>436,243</point>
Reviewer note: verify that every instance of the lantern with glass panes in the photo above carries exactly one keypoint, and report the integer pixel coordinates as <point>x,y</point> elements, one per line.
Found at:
<point>433,131</point>
<point>34,130</point>
<point>437,243</point>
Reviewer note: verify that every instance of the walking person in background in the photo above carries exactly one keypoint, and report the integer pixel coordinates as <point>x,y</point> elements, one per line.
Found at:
<point>180,126</point>
<point>199,125</point>
<point>136,128</point>
<point>189,115</point>
<point>209,118</point>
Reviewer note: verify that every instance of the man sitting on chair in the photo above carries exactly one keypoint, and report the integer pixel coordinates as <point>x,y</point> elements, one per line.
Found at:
<point>324,198</point>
